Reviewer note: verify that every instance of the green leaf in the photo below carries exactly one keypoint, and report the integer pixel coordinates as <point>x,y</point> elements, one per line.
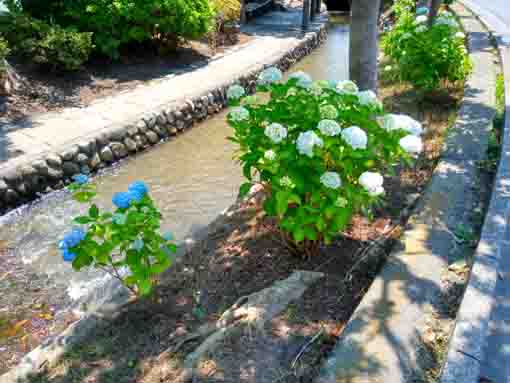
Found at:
<point>144,286</point>
<point>244,189</point>
<point>298,234</point>
<point>310,233</point>
<point>94,211</point>
<point>82,220</point>
<point>282,202</point>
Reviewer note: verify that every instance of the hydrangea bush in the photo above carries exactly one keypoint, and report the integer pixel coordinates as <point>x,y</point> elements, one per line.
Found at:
<point>125,243</point>
<point>427,56</point>
<point>319,149</point>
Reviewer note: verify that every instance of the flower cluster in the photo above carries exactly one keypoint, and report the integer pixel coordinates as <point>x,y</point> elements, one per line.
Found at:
<point>321,148</point>
<point>270,75</point>
<point>126,239</point>
<point>239,114</point>
<point>427,57</point>
<point>235,92</point>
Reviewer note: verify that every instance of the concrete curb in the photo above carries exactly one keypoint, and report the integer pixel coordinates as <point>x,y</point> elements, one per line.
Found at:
<point>113,295</point>
<point>470,337</point>
<point>25,178</point>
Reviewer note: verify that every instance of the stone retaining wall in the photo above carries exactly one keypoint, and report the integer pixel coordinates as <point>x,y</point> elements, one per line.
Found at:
<point>26,182</point>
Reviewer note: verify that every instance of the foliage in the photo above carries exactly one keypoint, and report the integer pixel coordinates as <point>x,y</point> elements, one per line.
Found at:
<point>126,243</point>
<point>319,150</point>
<point>44,43</point>
<point>4,51</point>
<point>425,56</point>
<point>228,10</point>
<point>122,22</point>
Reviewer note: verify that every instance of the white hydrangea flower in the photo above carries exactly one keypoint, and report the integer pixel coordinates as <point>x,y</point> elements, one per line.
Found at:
<point>239,114</point>
<point>406,36</point>
<point>304,79</point>
<point>411,144</point>
<point>328,112</point>
<point>347,87</point>
<point>270,75</point>
<point>331,180</point>
<point>460,35</point>
<point>444,13</point>
<point>270,155</point>
<point>286,181</point>
<point>368,97</point>
<point>400,122</point>
<point>450,21</point>
<point>388,68</point>
<point>307,141</point>
<point>372,183</point>
<point>329,128</point>
<point>355,137</point>
<point>421,19</point>
<point>276,132</point>
<point>422,11</point>
<point>341,202</point>
<point>235,92</point>
<point>421,29</point>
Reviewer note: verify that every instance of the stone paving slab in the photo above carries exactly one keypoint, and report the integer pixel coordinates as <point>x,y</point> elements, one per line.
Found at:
<point>381,341</point>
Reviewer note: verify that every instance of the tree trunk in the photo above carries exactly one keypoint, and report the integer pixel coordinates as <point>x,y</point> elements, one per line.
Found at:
<point>9,79</point>
<point>243,12</point>
<point>433,10</point>
<point>364,45</point>
<point>306,13</point>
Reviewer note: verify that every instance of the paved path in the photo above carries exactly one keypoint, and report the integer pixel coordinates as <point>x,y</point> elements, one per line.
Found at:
<point>496,367</point>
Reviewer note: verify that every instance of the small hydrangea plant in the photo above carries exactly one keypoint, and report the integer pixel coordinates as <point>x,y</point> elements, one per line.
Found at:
<point>126,243</point>
<point>427,56</point>
<point>320,150</point>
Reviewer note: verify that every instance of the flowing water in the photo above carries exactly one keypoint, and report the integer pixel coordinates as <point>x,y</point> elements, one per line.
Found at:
<point>192,178</point>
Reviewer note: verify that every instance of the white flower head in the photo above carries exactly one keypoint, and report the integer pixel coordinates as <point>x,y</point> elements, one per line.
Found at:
<point>460,35</point>
<point>406,36</point>
<point>286,181</point>
<point>270,155</point>
<point>411,144</point>
<point>368,97</point>
<point>269,76</point>
<point>276,132</point>
<point>355,137</point>
<point>331,180</point>
<point>304,79</point>
<point>392,122</point>
<point>347,87</point>
<point>372,183</point>
<point>444,13</point>
<point>421,28</point>
<point>235,92</point>
<point>388,68</point>
<point>341,202</point>
<point>421,19</point>
<point>329,128</point>
<point>449,21</point>
<point>422,11</point>
<point>328,112</point>
<point>239,114</point>
<point>307,141</point>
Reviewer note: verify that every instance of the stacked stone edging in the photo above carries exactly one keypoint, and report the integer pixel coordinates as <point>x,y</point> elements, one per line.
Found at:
<point>470,337</point>
<point>27,181</point>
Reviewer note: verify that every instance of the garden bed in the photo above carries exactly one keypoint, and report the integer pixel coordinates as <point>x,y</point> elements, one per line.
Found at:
<point>243,254</point>
<point>43,91</point>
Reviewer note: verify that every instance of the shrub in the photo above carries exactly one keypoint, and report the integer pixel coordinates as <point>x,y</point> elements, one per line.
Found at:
<point>319,149</point>
<point>4,50</point>
<point>44,43</point>
<point>228,10</point>
<point>126,21</point>
<point>425,56</point>
<point>126,243</point>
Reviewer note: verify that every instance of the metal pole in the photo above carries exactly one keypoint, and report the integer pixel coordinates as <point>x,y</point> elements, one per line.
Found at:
<point>313,9</point>
<point>306,14</point>
<point>318,4</point>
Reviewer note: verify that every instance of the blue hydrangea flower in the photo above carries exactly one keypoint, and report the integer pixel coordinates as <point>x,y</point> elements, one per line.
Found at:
<point>123,200</point>
<point>139,187</point>
<point>81,179</point>
<point>72,239</point>
<point>68,256</point>
<point>168,236</point>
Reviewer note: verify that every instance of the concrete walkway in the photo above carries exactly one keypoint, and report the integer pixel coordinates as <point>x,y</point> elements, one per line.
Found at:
<point>383,341</point>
